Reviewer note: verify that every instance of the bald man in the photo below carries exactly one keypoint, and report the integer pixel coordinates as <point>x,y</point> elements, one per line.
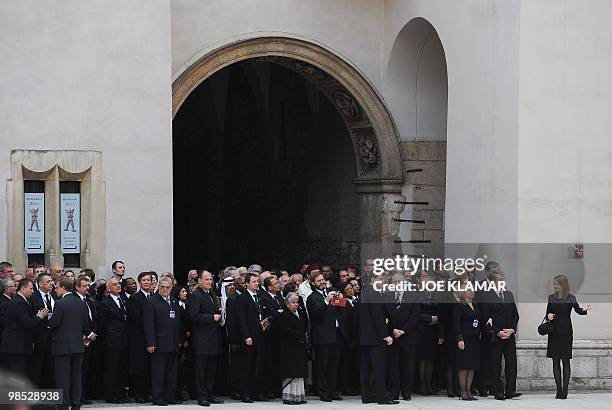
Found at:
<point>114,330</point>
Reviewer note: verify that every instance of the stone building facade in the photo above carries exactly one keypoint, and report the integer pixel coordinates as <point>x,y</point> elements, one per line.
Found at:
<point>296,130</point>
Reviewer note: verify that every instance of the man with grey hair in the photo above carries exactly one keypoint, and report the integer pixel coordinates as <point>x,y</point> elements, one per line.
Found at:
<point>230,271</point>
<point>255,268</point>
<point>242,271</point>
<point>7,291</point>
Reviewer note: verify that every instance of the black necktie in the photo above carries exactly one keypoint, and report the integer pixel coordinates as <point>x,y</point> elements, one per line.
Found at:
<point>121,304</point>
<point>48,301</point>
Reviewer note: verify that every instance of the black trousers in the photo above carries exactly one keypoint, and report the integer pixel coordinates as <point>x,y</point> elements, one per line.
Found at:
<point>40,369</point>
<point>348,370</point>
<point>116,373</point>
<point>373,369</point>
<point>248,370</point>
<point>205,369</point>
<point>234,370</point>
<point>271,381</point>
<point>483,375</point>
<point>68,377</point>
<point>163,375</point>
<point>400,369</point>
<point>18,363</point>
<point>507,348</point>
<point>85,372</point>
<point>327,364</point>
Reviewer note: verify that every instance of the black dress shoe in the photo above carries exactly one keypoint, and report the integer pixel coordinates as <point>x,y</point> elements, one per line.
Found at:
<point>388,402</point>
<point>85,402</point>
<point>159,403</point>
<point>325,398</point>
<point>245,399</point>
<point>235,397</point>
<point>214,400</point>
<point>407,397</point>
<point>337,397</point>
<point>483,393</point>
<point>140,400</point>
<point>500,397</point>
<point>513,395</point>
<point>207,404</point>
<point>288,402</point>
<point>172,402</point>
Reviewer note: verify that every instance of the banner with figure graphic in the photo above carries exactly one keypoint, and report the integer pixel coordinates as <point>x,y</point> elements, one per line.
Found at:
<point>70,217</point>
<point>34,216</point>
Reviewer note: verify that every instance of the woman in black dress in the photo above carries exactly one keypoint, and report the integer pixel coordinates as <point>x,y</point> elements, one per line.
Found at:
<point>467,332</point>
<point>559,348</point>
<point>293,351</point>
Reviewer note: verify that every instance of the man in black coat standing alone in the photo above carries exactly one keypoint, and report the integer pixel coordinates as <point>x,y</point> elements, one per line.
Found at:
<point>162,329</point>
<point>205,338</point>
<point>70,332</point>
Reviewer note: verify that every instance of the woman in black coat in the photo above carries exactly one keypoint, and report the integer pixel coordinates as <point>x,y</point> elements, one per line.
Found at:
<point>559,348</point>
<point>466,318</point>
<point>293,351</point>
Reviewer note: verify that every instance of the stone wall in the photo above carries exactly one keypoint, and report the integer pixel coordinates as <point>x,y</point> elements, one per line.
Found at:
<point>591,366</point>
<point>424,181</point>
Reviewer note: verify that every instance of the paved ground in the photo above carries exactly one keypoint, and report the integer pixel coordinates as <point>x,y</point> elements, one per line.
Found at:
<point>529,401</point>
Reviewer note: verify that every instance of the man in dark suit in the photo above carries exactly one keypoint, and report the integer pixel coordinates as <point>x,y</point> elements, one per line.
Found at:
<point>205,339</point>
<point>248,311</point>
<point>374,339</point>
<point>81,289</point>
<point>162,327</point>
<point>114,330</point>
<point>41,366</point>
<point>7,291</point>
<point>139,358</point>
<point>20,327</point>
<point>71,331</point>
<point>404,314</point>
<point>326,337</point>
<point>233,337</point>
<point>272,305</point>
<point>501,318</point>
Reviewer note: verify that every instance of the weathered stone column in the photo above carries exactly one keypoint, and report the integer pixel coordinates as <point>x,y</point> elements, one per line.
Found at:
<point>379,229</point>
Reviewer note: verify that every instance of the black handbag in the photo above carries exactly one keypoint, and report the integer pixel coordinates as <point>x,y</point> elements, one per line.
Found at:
<point>546,327</point>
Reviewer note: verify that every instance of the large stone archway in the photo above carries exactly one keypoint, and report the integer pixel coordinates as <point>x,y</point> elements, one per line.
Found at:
<point>373,133</point>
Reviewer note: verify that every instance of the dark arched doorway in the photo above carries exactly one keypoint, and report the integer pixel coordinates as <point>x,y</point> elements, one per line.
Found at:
<point>263,173</point>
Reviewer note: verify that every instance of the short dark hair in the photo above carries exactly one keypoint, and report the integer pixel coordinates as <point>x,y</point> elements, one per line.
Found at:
<point>114,266</point>
<point>79,281</point>
<point>23,283</point>
<point>142,275</point>
<point>41,276</point>
<point>202,271</point>
<point>290,287</point>
<point>90,273</point>
<point>66,283</point>
<point>153,273</point>
<point>248,277</point>
<point>268,281</point>
<point>124,282</point>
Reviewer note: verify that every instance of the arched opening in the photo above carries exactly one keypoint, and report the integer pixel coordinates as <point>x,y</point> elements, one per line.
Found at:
<point>416,89</point>
<point>263,170</point>
<point>287,154</point>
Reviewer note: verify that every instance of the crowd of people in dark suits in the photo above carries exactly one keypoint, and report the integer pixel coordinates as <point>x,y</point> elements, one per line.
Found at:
<point>255,335</point>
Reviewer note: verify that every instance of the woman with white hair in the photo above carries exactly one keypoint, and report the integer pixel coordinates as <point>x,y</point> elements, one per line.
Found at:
<point>293,352</point>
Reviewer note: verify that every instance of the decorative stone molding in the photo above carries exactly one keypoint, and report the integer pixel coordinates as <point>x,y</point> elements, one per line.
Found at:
<point>360,105</point>
<point>53,167</point>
